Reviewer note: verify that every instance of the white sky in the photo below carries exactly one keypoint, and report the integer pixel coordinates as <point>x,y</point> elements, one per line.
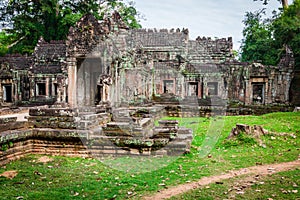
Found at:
<point>209,18</point>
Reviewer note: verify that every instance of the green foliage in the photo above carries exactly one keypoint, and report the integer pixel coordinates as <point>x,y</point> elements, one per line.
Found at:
<point>258,43</point>
<point>11,144</point>
<point>53,18</point>
<point>287,29</point>
<point>5,40</point>
<point>264,40</point>
<point>240,139</point>
<point>4,147</point>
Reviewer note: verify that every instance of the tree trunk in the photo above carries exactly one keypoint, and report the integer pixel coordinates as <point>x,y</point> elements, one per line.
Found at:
<point>285,4</point>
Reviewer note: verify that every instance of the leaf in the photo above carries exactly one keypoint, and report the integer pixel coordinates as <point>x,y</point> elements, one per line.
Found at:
<point>38,173</point>
<point>76,194</point>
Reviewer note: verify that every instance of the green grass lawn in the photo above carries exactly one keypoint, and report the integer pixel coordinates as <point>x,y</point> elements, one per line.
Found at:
<point>123,178</point>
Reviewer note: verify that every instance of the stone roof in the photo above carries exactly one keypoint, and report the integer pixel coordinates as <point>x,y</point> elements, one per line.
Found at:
<point>88,32</point>
<point>16,61</point>
<point>49,58</point>
<point>201,68</point>
<point>157,38</point>
<point>206,50</point>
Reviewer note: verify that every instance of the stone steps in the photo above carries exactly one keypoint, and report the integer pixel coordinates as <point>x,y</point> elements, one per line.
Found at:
<point>89,118</point>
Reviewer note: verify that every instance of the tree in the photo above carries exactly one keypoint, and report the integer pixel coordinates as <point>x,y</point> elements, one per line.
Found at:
<point>287,29</point>
<point>284,3</point>
<point>52,19</point>
<point>265,39</point>
<point>258,43</point>
<point>5,41</point>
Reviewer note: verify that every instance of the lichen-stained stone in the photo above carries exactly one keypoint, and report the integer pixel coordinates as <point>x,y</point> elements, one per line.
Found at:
<point>7,120</point>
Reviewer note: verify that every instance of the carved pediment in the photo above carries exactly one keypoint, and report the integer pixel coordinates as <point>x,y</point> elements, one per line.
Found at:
<point>5,71</point>
<point>85,35</point>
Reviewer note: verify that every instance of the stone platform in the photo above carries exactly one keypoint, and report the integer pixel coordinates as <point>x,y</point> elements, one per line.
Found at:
<point>125,132</point>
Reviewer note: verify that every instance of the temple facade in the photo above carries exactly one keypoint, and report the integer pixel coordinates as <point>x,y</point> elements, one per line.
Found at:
<point>105,62</point>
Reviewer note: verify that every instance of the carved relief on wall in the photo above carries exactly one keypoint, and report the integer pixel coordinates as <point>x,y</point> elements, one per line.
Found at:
<point>5,71</point>
<point>103,86</point>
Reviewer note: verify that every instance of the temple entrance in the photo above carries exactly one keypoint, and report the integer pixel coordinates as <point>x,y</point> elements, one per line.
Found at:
<point>41,89</point>
<point>258,93</point>
<point>7,93</point>
<point>212,88</point>
<point>88,71</point>
<point>192,89</point>
<point>168,86</point>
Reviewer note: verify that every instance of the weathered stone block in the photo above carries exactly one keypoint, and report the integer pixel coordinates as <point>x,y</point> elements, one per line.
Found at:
<point>53,112</point>
<point>7,120</point>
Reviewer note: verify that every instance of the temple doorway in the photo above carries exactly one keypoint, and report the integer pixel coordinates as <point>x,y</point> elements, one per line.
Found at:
<point>88,71</point>
<point>7,93</point>
<point>258,93</point>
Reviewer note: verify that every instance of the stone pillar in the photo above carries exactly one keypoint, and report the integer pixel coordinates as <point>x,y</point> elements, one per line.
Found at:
<point>267,97</point>
<point>47,87</point>
<point>53,87</point>
<point>32,89</point>
<point>287,87</point>
<point>248,90</point>
<point>205,89</point>
<point>17,95</point>
<point>64,92</point>
<point>72,76</point>
<point>1,93</point>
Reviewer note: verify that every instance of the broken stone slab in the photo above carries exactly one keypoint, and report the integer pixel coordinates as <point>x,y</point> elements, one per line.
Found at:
<point>50,118</point>
<point>55,112</point>
<point>168,122</point>
<point>122,119</point>
<point>297,109</point>
<point>120,125</point>
<point>164,133</point>
<point>250,130</point>
<point>6,120</point>
<point>133,142</point>
<point>13,126</point>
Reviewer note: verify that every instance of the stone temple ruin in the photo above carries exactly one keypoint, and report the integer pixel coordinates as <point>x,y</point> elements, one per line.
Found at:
<point>107,83</point>
<point>105,62</point>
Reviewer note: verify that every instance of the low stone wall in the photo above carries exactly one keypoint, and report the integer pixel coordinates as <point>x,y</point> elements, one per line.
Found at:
<point>18,143</point>
<point>258,109</point>
<point>194,111</point>
<point>92,143</point>
<point>73,132</point>
<point>11,123</point>
<point>208,111</point>
<point>52,118</point>
<point>13,110</point>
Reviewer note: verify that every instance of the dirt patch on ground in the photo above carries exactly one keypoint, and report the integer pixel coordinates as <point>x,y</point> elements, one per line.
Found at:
<point>262,170</point>
<point>9,174</point>
<point>44,159</point>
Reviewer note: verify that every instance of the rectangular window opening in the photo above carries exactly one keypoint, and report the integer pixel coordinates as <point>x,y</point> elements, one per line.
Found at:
<point>41,89</point>
<point>193,89</point>
<point>212,88</point>
<point>258,93</point>
<point>7,93</point>
<point>55,89</point>
<point>168,86</point>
